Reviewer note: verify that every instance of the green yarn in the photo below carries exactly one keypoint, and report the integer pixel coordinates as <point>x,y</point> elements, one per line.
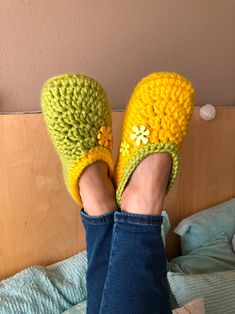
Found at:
<point>75,107</point>
<point>143,152</point>
<point>78,119</point>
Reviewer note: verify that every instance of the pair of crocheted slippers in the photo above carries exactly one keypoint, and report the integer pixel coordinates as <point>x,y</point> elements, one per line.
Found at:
<point>78,118</point>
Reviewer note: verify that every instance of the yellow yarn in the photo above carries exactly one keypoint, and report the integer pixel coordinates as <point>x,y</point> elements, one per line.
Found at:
<point>156,120</point>
<point>78,118</point>
<point>76,168</point>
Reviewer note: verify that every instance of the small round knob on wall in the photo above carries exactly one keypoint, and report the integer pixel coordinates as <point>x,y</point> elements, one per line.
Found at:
<point>207,112</point>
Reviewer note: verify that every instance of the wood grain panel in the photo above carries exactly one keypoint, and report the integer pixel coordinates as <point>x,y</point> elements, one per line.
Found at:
<point>208,162</point>
<point>39,222</point>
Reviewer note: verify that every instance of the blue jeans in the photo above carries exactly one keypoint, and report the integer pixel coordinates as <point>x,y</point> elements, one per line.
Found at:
<point>126,264</point>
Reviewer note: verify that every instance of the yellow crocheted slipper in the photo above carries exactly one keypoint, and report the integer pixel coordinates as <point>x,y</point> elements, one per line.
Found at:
<point>156,120</point>
<point>78,118</point>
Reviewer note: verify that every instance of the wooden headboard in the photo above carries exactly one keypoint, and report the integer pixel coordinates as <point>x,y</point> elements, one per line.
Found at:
<point>40,223</point>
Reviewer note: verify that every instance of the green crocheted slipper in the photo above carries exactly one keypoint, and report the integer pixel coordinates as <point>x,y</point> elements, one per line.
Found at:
<point>156,120</point>
<point>78,118</point>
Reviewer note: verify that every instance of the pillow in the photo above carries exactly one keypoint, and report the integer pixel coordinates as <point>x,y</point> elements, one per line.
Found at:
<point>217,289</point>
<point>194,307</point>
<point>215,255</point>
<point>204,225</point>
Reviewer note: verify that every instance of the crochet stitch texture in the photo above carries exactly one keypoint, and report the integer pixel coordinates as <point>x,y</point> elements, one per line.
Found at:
<point>77,115</point>
<point>156,120</point>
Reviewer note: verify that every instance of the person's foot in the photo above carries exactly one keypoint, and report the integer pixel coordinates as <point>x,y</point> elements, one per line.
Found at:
<point>80,131</point>
<point>146,189</point>
<point>96,190</point>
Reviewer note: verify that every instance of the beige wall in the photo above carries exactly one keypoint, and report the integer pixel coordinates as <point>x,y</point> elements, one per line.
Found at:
<point>116,42</point>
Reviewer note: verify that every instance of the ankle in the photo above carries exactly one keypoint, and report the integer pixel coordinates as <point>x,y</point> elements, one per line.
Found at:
<point>140,201</point>
<point>96,190</point>
<point>145,192</point>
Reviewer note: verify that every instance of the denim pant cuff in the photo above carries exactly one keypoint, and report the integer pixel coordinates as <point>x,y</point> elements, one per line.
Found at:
<point>138,218</point>
<point>97,220</point>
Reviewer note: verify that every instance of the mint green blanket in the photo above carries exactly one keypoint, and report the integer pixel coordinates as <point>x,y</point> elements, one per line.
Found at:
<point>44,290</point>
